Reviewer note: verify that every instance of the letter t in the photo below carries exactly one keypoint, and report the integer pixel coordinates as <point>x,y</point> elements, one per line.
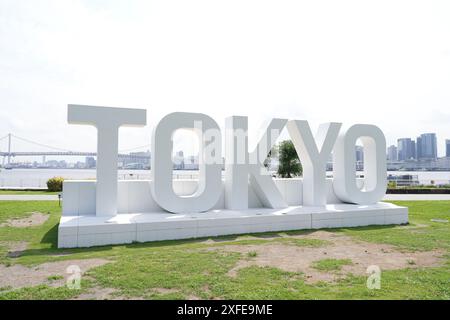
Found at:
<point>107,121</point>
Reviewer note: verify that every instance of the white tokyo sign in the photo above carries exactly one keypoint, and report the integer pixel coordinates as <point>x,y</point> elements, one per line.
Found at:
<point>244,168</point>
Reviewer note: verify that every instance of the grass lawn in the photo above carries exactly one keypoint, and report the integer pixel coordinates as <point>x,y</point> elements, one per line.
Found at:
<point>26,192</point>
<point>201,268</point>
<point>331,264</point>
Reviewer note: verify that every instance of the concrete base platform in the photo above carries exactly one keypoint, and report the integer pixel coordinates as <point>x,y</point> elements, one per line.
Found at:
<point>89,231</point>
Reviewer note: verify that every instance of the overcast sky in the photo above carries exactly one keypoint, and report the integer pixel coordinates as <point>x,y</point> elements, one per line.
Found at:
<point>380,62</point>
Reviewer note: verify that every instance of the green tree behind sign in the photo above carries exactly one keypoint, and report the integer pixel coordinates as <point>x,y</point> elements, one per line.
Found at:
<point>289,163</point>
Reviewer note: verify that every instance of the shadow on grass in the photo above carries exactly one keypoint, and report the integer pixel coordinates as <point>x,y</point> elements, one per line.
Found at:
<point>51,238</point>
<point>50,252</point>
<point>366,228</point>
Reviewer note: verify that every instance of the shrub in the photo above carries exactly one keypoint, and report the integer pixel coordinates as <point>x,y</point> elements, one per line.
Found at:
<point>392,184</point>
<point>55,184</point>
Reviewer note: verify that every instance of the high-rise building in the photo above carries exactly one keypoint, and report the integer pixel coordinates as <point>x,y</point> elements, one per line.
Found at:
<point>427,146</point>
<point>392,153</point>
<point>178,161</point>
<point>359,153</point>
<point>359,150</point>
<point>419,148</point>
<point>447,147</point>
<point>406,149</point>
<point>90,162</point>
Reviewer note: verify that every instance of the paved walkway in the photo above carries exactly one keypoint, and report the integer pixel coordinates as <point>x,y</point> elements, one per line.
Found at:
<point>26,197</point>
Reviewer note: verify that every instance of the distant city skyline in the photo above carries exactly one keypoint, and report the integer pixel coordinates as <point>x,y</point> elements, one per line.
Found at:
<point>423,151</point>
<point>424,148</point>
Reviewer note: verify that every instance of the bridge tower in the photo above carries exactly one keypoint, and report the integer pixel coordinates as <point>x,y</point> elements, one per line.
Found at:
<point>9,148</point>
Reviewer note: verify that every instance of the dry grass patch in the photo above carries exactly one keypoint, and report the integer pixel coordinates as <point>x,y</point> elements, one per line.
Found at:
<point>339,247</point>
<point>99,293</point>
<point>35,219</point>
<point>14,248</point>
<point>52,273</point>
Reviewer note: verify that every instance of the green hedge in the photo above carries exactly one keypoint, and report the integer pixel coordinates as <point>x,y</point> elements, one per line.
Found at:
<point>55,184</point>
<point>418,191</point>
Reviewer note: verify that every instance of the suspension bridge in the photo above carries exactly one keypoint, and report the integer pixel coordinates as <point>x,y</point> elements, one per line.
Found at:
<point>55,151</point>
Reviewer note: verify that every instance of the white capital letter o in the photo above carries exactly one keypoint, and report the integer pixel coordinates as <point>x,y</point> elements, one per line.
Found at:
<point>375,181</point>
<point>210,174</point>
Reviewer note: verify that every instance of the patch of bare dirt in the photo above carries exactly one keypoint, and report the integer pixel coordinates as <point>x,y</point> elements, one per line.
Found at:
<point>15,248</point>
<point>35,219</point>
<point>97,293</point>
<point>164,290</point>
<point>18,276</point>
<point>300,259</point>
